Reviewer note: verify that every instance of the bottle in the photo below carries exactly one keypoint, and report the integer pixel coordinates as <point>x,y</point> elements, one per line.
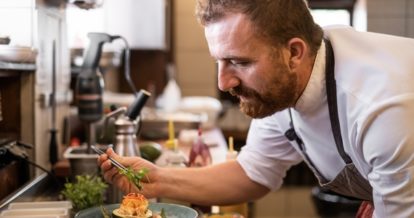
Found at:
<point>199,157</point>
<point>199,154</point>
<point>173,156</point>
<point>170,99</point>
<point>241,209</point>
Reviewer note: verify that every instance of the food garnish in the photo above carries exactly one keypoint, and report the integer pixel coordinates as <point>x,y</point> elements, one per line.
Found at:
<point>105,212</point>
<point>134,176</point>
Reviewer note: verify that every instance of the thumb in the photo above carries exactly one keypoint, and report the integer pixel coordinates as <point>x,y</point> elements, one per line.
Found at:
<point>111,153</point>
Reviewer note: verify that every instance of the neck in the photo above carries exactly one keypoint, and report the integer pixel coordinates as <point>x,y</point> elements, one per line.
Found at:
<point>304,74</point>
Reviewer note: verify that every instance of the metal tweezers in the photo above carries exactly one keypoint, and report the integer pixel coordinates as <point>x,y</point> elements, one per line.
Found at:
<point>114,162</point>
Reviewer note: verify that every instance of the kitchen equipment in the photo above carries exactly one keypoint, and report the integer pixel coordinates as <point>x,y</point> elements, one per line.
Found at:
<point>4,40</point>
<point>81,162</point>
<point>1,114</point>
<point>126,125</point>
<point>53,147</point>
<point>89,84</point>
<point>205,106</point>
<point>113,161</point>
<point>14,170</point>
<point>87,4</point>
<point>41,204</point>
<point>155,123</point>
<point>54,212</point>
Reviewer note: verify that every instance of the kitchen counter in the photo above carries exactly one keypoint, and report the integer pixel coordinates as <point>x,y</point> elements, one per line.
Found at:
<point>44,188</point>
<point>17,58</point>
<point>23,67</point>
<point>41,188</point>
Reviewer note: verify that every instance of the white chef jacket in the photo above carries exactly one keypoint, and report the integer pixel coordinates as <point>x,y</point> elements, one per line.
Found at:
<point>375,94</point>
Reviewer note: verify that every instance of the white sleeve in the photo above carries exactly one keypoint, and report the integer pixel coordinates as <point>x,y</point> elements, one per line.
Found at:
<point>267,154</point>
<point>387,143</point>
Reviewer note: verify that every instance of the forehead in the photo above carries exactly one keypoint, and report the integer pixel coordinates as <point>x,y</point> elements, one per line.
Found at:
<point>232,34</point>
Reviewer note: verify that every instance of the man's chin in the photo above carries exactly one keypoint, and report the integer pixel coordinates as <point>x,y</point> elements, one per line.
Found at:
<point>254,111</point>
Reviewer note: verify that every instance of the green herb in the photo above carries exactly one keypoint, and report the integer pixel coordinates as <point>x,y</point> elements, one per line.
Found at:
<point>135,176</point>
<point>86,192</point>
<point>105,212</point>
<point>163,213</point>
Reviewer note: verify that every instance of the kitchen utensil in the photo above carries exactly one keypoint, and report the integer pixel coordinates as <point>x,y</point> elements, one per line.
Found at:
<point>1,114</point>
<point>126,125</point>
<point>53,157</point>
<point>113,161</point>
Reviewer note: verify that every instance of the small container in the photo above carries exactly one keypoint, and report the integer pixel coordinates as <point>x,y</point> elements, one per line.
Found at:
<point>45,212</point>
<point>41,205</point>
<point>80,161</point>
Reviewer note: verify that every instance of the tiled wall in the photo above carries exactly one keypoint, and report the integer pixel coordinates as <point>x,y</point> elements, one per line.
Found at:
<point>394,17</point>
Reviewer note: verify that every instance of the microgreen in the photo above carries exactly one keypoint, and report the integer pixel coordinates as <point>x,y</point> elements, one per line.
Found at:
<point>134,176</point>
<point>86,192</point>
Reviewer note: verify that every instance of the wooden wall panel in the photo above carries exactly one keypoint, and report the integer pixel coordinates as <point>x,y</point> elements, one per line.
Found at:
<point>10,106</point>
<point>147,67</point>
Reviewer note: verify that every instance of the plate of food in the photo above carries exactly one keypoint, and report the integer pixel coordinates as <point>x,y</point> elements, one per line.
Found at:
<point>135,205</point>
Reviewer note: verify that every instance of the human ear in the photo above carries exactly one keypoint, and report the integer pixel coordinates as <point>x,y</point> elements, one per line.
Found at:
<point>298,49</point>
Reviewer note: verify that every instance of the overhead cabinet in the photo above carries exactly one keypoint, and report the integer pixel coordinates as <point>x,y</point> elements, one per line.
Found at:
<point>144,23</point>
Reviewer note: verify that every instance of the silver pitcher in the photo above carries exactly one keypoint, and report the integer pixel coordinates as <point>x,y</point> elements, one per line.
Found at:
<point>126,126</point>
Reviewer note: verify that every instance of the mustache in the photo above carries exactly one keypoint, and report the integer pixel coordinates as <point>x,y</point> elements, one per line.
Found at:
<point>241,90</point>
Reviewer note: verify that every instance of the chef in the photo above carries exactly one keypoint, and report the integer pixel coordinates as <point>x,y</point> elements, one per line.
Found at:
<point>338,99</point>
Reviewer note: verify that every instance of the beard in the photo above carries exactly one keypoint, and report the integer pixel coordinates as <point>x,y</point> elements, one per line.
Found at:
<point>280,94</point>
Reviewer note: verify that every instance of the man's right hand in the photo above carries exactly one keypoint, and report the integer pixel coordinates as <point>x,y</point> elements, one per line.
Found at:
<point>111,173</point>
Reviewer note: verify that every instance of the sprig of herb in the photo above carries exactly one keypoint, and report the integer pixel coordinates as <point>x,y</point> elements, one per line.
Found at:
<point>105,212</point>
<point>134,176</point>
<point>163,213</point>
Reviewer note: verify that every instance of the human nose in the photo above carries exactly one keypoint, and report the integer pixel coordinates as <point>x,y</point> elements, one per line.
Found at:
<point>226,78</point>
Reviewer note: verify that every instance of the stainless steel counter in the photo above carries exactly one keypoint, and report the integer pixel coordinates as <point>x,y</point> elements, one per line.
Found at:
<point>17,66</point>
<point>41,188</point>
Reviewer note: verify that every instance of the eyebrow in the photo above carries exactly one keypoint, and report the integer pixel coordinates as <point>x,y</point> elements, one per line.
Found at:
<point>233,57</point>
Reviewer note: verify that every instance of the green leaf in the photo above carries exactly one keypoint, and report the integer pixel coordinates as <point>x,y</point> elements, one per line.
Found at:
<point>135,176</point>
<point>163,213</point>
<point>86,192</point>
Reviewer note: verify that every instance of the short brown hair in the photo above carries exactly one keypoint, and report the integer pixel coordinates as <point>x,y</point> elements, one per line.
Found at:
<point>276,20</point>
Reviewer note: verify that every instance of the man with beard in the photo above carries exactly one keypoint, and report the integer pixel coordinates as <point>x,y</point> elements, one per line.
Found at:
<point>338,99</point>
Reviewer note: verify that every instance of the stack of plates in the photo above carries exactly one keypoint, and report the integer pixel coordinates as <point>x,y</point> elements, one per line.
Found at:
<point>44,209</point>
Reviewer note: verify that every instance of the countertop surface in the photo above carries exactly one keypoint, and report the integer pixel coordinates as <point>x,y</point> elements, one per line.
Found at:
<point>44,187</point>
<point>20,58</point>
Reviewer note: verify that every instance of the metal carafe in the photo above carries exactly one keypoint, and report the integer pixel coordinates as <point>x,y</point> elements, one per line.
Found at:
<point>126,125</point>
<point>126,140</point>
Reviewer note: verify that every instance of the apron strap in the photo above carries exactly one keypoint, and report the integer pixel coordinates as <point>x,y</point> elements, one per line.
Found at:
<point>332,101</point>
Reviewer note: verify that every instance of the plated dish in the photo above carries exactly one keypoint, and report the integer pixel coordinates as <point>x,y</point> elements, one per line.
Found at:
<point>171,210</point>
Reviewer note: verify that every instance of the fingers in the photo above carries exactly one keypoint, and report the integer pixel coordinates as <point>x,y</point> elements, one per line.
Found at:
<point>110,174</point>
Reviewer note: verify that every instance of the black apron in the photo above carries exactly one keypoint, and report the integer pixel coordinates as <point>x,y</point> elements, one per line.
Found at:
<point>349,181</point>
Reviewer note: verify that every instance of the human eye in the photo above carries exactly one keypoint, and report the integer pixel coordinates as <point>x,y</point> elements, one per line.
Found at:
<point>240,62</point>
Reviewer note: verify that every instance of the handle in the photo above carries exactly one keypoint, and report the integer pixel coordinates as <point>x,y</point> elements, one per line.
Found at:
<point>135,108</point>
<point>94,51</point>
<point>114,113</point>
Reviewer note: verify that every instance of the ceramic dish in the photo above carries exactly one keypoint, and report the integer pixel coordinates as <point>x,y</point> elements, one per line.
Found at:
<point>171,211</point>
